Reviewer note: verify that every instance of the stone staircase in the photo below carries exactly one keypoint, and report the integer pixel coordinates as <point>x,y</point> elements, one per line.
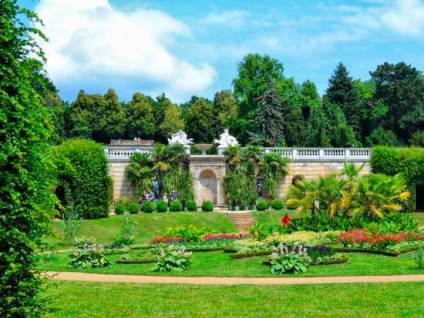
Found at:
<point>242,221</point>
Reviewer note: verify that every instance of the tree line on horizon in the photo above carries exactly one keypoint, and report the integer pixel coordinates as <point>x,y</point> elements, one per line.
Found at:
<point>264,107</point>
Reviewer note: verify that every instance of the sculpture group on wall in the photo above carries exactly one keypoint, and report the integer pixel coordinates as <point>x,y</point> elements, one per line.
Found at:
<point>225,139</point>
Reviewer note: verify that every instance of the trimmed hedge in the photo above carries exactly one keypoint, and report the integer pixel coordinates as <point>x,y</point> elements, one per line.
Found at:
<point>119,208</point>
<point>277,204</point>
<point>408,161</point>
<point>261,205</point>
<point>207,206</point>
<point>176,206</point>
<point>148,207</point>
<point>191,205</point>
<point>161,206</point>
<point>133,208</point>
<point>83,179</point>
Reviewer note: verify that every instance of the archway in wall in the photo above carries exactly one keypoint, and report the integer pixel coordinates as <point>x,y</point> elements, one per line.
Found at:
<point>419,200</point>
<point>209,186</point>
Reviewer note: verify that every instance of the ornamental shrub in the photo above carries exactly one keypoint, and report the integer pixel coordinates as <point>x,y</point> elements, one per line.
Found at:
<point>119,208</point>
<point>83,179</point>
<point>87,254</point>
<point>161,206</point>
<point>261,205</point>
<point>176,206</point>
<point>207,206</point>
<point>133,208</point>
<point>408,161</point>
<point>148,207</point>
<point>191,205</point>
<point>173,258</point>
<point>289,260</point>
<point>277,204</point>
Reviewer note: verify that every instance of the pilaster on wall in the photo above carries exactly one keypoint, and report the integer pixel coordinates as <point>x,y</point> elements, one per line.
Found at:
<point>314,169</point>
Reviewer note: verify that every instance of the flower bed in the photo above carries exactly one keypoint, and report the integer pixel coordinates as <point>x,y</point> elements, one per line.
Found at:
<point>203,238</point>
<point>365,240</point>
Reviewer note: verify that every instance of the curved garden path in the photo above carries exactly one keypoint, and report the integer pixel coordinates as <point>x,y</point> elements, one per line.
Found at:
<point>75,276</point>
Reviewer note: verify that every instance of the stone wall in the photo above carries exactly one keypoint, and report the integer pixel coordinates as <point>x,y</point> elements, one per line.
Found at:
<point>122,188</point>
<point>314,169</point>
<point>308,169</point>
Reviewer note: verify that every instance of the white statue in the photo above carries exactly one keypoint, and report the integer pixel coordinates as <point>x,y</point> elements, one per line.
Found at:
<point>180,137</point>
<point>225,140</point>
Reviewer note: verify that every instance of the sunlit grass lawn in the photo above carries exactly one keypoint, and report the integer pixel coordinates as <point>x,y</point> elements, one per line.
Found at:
<point>219,264</point>
<point>88,299</point>
<point>147,226</point>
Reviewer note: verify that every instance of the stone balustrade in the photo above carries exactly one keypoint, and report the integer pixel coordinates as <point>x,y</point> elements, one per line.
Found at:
<point>309,154</point>
<point>315,154</point>
<point>125,152</point>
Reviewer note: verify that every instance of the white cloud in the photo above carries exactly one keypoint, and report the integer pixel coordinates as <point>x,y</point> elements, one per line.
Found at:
<point>89,39</point>
<point>405,17</point>
<point>231,18</point>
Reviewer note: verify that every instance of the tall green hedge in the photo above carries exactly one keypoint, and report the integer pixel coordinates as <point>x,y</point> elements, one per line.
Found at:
<point>408,161</point>
<point>83,178</point>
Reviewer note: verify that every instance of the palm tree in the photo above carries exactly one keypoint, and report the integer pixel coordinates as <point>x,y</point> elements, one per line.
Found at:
<point>302,195</point>
<point>140,171</point>
<point>377,194</point>
<point>330,195</point>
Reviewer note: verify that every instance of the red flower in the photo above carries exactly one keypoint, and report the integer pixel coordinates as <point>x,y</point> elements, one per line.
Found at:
<point>285,220</point>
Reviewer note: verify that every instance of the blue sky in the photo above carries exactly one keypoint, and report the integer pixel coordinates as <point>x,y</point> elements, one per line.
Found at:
<point>192,47</point>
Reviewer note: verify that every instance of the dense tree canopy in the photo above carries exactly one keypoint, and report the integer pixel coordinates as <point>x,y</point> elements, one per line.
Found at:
<point>26,197</point>
<point>351,112</point>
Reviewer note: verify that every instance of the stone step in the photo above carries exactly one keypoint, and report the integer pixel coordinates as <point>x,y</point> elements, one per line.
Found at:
<point>242,221</point>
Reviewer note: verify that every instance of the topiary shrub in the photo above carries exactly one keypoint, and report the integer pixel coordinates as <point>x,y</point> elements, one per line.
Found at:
<point>207,206</point>
<point>119,208</point>
<point>133,208</point>
<point>176,206</point>
<point>261,205</point>
<point>161,206</point>
<point>83,179</point>
<point>148,207</point>
<point>191,205</point>
<point>277,204</point>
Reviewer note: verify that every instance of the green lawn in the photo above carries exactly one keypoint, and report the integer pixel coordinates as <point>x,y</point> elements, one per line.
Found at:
<point>148,225</point>
<point>87,299</point>
<point>220,264</point>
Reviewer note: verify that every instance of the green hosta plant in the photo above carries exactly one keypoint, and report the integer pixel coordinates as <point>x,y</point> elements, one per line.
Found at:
<point>87,254</point>
<point>289,260</point>
<point>173,258</point>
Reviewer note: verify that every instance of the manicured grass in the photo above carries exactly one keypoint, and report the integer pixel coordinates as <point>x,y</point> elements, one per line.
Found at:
<point>273,217</point>
<point>219,264</point>
<point>419,216</point>
<point>87,299</point>
<point>148,225</point>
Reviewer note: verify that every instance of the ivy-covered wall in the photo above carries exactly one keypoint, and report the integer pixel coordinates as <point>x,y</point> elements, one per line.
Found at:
<point>408,161</point>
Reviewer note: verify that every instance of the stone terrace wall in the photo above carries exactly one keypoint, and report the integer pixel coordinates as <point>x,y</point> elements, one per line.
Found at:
<point>314,169</point>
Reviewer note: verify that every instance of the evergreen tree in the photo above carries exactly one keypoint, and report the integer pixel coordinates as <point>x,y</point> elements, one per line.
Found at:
<point>316,132</point>
<point>270,117</point>
<point>343,93</point>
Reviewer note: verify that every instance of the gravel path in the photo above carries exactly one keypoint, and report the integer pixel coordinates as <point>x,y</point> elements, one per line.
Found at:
<point>72,276</point>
